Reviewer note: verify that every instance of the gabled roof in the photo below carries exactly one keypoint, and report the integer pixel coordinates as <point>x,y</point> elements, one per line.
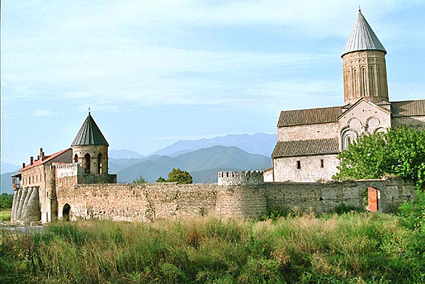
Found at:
<point>352,106</point>
<point>45,160</point>
<point>89,134</point>
<point>305,148</point>
<point>408,108</point>
<point>309,116</point>
<point>362,37</point>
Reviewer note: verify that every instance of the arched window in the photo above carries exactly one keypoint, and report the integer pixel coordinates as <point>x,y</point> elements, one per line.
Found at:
<point>364,81</point>
<point>76,158</point>
<point>87,163</point>
<point>348,137</point>
<point>99,164</point>
<point>372,82</point>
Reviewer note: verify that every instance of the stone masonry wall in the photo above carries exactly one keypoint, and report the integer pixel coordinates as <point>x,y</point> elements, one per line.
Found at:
<point>147,202</point>
<point>286,169</point>
<point>323,197</point>
<point>152,201</point>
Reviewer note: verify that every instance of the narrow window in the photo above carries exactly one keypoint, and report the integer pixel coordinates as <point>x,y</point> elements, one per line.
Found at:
<point>322,163</point>
<point>379,82</point>
<point>87,163</point>
<point>298,165</point>
<point>372,82</point>
<point>100,164</point>
<point>76,158</point>
<point>356,92</point>
<point>349,82</point>
<point>364,81</point>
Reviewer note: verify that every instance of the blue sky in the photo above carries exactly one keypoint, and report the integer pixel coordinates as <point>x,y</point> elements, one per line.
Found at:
<point>154,72</point>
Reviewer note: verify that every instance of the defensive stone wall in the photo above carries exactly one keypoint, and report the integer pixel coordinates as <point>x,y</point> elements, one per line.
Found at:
<point>147,202</point>
<point>233,198</point>
<point>323,197</point>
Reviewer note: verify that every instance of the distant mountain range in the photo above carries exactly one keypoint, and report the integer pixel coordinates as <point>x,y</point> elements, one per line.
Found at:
<point>7,170</point>
<point>202,158</point>
<point>203,163</point>
<point>6,182</point>
<point>124,154</point>
<point>8,167</point>
<point>259,143</point>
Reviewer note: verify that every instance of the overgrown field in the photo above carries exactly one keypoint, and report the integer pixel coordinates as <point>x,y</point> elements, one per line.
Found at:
<point>5,214</point>
<point>347,248</point>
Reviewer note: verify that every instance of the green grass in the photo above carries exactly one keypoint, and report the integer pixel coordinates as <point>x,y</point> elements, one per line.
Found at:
<point>347,248</point>
<point>5,214</point>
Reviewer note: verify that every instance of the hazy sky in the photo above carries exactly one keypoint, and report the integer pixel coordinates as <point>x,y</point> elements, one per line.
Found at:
<point>154,72</point>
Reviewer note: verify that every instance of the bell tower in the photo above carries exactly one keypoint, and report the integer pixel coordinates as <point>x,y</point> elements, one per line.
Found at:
<point>364,67</point>
<point>90,148</point>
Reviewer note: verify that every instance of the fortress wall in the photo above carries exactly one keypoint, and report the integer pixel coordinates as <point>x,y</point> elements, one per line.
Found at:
<point>241,201</point>
<point>323,197</point>
<point>138,202</point>
<point>152,201</point>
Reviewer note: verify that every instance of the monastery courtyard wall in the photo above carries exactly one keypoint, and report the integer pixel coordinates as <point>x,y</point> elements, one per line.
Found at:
<point>151,201</point>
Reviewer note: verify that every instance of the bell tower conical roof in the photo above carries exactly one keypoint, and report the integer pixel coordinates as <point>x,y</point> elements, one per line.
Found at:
<point>89,134</point>
<point>362,37</point>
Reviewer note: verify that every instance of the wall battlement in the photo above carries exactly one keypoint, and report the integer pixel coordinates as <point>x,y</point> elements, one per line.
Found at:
<point>242,178</point>
<point>67,169</point>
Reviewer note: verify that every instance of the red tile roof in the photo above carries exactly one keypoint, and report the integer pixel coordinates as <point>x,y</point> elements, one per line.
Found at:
<point>45,160</point>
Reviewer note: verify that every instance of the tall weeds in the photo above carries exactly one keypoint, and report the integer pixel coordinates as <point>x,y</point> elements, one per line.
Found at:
<point>347,248</point>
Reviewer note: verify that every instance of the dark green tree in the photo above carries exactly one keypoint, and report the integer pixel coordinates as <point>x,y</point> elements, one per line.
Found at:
<point>140,179</point>
<point>161,179</point>
<point>6,201</point>
<point>400,152</point>
<point>179,176</point>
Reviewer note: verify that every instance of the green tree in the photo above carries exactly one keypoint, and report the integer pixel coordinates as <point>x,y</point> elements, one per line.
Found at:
<point>140,179</point>
<point>6,201</point>
<point>161,179</point>
<point>179,176</point>
<point>400,152</point>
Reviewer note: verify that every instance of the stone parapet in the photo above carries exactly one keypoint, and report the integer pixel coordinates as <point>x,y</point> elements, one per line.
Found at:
<point>242,178</point>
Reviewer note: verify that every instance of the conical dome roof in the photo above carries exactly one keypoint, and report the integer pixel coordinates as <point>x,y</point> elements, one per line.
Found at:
<point>362,37</point>
<point>89,134</point>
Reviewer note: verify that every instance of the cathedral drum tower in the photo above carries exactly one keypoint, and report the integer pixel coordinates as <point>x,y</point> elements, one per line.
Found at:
<point>364,67</point>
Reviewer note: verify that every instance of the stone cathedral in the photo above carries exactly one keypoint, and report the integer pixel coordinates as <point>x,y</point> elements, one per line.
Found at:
<point>309,140</point>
